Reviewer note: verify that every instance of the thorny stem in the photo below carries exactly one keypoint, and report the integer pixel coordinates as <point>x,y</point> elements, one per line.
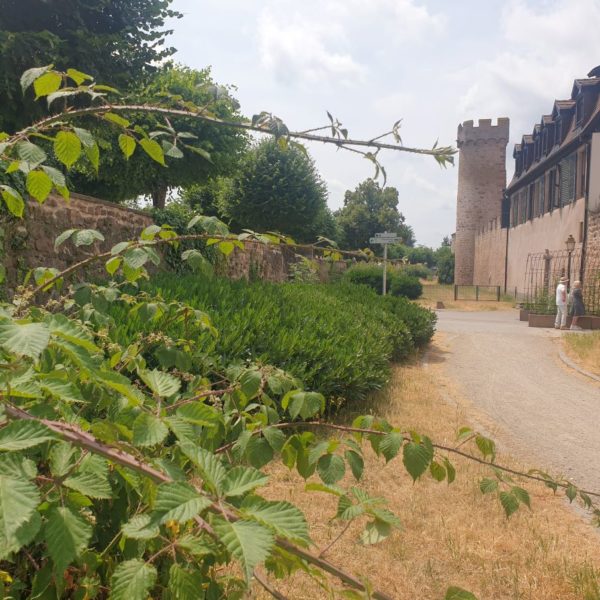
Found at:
<point>335,540</point>
<point>267,586</point>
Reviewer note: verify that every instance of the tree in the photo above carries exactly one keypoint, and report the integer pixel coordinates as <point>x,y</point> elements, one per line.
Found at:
<point>279,189</point>
<point>444,261</point>
<point>368,210</point>
<point>217,148</point>
<point>117,41</point>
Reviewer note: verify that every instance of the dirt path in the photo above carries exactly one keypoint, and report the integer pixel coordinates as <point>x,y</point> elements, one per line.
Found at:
<point>538,409</point>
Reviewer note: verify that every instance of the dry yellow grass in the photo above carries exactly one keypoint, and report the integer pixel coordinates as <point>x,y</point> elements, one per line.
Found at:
<point>584,349</point>
<point>433,292</point>
<point>452,535</point>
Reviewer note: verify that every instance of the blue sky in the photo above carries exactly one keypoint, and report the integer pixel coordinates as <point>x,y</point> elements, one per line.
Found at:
<point>432,63</point>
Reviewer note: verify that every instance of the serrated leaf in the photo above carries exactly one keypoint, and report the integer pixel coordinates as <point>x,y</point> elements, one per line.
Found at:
<point>86,237</point>
<point>71,331</point>
<point>18,502</point>
<point>13,200</point>
<point>416,459</point>
<point>90,484</point>
<point>283,518</point>
<point>31,153</point>
<point>67,535</point>
<point>19,435</point>
<point>13,465</point>
<point>86,137</point>
<point>140,527</point>
<point>486,446</point>
<point>487,485</point>
<point>162,384</point>
<point>450,470</point>
<point>63,237</point>
<point>390,444</point>
<point>241,480</point>
<point>127,144</point>
<point>322,487</point>
<point>457,593</point>
<point>62,458</point>
<point>153,150</point>
<point>93,155</point>
<point>211,468</point>
<point>39,185</point>
<point>198,413</point>
<point>376,531</point>
<point>248,542</point>
<point>78,77</point>
<point>250,382</point>
<point>275,437</point>
<point>347,510</point>
<point>67,148</point>
<point>179,501</point>
<point>521,495</point>
<point>331,468</point>
<point>571,492</point>
<point>58,179</point>
<point>258,452</point>
<point>509,503</point>
<point>185,584</point>
<point>113,264</point>
<point>132,580</point>
<point>31,75</point>
<point>46,84</point>
<point>148,430</point>
<point>117,119</point>
<point>437,471</point>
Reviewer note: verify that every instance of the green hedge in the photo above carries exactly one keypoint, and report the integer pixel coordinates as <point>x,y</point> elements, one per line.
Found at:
<point>337,338</point>
<point>399,282</point>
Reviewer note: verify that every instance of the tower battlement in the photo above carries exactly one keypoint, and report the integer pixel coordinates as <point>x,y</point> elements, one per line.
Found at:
<point>469,132</point>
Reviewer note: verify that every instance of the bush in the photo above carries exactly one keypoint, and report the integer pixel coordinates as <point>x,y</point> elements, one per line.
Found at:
<point>365,274</point>
<point>337,339</point>
<point>445,265</point>
<point>406,285</point>
<point>420,271</point>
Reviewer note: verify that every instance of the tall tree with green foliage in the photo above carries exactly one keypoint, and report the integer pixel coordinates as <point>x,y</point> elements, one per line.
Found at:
<point>279,189</point>
<point>216,149</point>
<point>368,210</point>
<point>117,41</point>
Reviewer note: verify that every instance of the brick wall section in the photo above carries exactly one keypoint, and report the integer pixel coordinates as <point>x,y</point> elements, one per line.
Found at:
<point>29,243</point>
<point>481,181</point>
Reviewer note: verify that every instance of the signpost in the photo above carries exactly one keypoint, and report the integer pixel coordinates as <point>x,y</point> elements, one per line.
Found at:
<point>385,239</point>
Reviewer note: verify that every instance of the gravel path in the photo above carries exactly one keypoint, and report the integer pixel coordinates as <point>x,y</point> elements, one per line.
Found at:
<point>512,373</point>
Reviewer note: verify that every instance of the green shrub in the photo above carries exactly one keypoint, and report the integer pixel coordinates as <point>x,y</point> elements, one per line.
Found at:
<point>338,339</point>
<point>419,271</point>
<point>365,274</point>
<point>402,284</point>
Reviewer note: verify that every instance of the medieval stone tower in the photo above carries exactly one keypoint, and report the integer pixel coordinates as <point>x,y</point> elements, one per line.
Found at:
<point>481,183</point>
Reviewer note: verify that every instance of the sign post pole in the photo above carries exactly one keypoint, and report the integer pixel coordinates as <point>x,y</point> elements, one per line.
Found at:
<point>384,239</point>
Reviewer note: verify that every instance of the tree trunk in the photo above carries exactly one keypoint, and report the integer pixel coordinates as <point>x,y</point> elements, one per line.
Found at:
<point>159,195</point>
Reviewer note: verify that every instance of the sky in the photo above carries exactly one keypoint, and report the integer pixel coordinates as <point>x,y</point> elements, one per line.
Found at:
<point>431,63</point>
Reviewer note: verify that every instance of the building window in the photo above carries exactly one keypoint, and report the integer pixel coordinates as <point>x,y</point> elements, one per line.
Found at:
<point>579,108</point>
<point>541,194</point>
<point>523,206</point>
<point>553,196</point>
<point>530,199</point>
<point>568,179</point>
<point>581,173</point>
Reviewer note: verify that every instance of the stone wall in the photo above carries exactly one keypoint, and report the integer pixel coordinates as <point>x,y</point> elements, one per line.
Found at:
<point>481,181</point>
<point>29,243</point>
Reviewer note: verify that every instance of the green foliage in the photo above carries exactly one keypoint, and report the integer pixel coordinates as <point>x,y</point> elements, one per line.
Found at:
<point>398,281</point>
<point>368,210</point>
<point>279,189</point>
<point>444,260</point>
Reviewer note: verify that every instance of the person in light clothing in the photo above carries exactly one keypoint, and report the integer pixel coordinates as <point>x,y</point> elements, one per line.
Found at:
<point>561,304</point>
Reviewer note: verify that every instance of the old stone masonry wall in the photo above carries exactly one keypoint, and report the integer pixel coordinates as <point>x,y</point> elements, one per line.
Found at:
<point>29,242</point>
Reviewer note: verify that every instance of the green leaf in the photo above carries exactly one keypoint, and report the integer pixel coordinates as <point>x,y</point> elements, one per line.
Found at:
<point>63,237</point>
<point>132,580</point>
<point>93,155</point>
<point>117,119</point>
<point>356,463</point>
<point>303,404</point>
<point>31,75</point>
<point>39,185</point>
<point>71,331</point>
<point>509,503</point>
<point>67,148</point>
<point>31,153</point>
<point>162,384</point>
<point>457,593</point>
<point>78,77</point>
<point>46,84</point>
<point>521,495</point>
<point>62,458</point>
<point>19,435</point>
<point>67,535</point>
<point>13,200</point>
<point>283,518</point>
<point>16,466</point>
<point>241,480</point>
<point>90,484</point>
<point>376,531</point>
<point>86,137</point>
<point>86,237</point>
<point>450,470</point>
<point>148,430</point>
<point>487,485</point>
<point>571,492</point>
<point>275,437</point>
<point>179,501</point>
<point>127,144</point>
<point>18,501</point>
<point>258,452</point>
<point>211,468</point>
<point>185,584</point>
<point>250,382</point>
<point>437,471</point>
<point>25,339</point>
<point>247,541</point>
<point>390,445</point>
<point>486,446</point>
<point>113,264</point>
<point>140,527</point>
<point>58,179</point>
<point>153,150</point>
<point>198,413</point>
<point>416,459</point>
<point>331,468</point>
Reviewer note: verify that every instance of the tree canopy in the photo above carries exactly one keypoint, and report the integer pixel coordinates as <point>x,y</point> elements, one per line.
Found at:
<point>279,189</point>
<point>118,42</point>
<point>368,210</point>
<point>217,149</point>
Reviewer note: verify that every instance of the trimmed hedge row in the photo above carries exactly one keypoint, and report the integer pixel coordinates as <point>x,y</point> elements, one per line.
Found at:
<point>337,339</point>
<point>400,283</point>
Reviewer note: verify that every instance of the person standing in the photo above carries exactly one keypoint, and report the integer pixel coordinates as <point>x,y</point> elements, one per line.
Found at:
<point>577,306</point>
<point>561,304</point>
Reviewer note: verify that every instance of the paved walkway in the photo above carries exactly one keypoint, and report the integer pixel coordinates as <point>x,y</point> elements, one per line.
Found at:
<point>512,373</point>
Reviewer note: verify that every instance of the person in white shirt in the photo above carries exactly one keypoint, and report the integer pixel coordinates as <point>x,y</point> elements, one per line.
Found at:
<point>561,304</point>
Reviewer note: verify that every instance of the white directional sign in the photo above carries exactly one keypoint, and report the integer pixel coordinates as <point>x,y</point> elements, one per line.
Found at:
<point>385,239</point>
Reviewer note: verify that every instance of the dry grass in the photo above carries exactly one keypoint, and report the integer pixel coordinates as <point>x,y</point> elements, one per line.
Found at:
<point>452,535</point>
<point>584,349</point>
<point>433,293</point>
